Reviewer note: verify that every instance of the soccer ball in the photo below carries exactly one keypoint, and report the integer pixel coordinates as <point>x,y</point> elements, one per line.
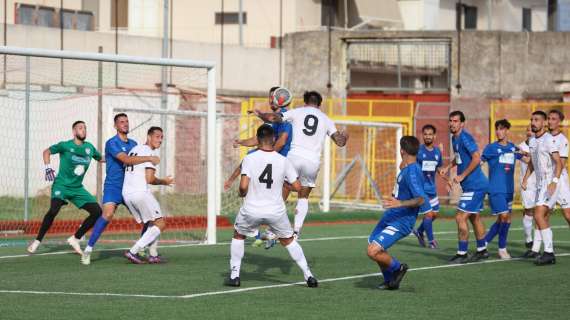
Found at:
<point>281,97</point>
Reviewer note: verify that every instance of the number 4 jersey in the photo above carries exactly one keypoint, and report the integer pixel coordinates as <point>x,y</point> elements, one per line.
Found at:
<point>310,127</point>
<point>267,171</point>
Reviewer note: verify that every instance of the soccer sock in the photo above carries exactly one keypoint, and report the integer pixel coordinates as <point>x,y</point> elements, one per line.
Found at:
<point>389,272</point>
<point>493,230</point>
<point>302,209</point>
<point>236,254</point>
<point>527,227</point>
<point>54,208</point>
<point>481,245</point>
<point>537,241</point>
<point>149,236</point>
<point>145,228</point>
<point>547,239</point>
<point>420,230</point>
<point>296,252</point>
<point>153,248</point>
<point>428,227</point>
<point>98,229</point>
<point>462,247</point>
<point>503,234</point>
<point>94,213</point>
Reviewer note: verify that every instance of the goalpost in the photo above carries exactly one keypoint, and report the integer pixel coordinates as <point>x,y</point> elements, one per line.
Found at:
<point>44,91</point>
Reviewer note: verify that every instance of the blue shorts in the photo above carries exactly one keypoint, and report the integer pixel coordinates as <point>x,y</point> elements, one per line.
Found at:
<point>386,234</point>
<point>113,194</point>
<point>434,204</point>
<point>501,202</point>
<point>471,201</point>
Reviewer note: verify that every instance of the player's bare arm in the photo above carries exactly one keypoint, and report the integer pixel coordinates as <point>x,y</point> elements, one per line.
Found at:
<point>249,142</point>
<point>391,202</point>
<point>228,183</point>
<point>281,141</point>
<point>154,180</point>
<point>557,172</point>
<point>475,161</point>
<point>529,171</point>
<point>133,160</point>
<point>269,117</point>
<point>243,186</point>
<point>340,138</point>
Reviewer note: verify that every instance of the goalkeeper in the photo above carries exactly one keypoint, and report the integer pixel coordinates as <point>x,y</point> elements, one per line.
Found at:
<point>74,158</point>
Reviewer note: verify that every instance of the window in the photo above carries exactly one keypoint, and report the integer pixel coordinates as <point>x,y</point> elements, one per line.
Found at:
<point>527,19</point>
<point>470,17</point>
<point>119,13</point>
<point>230,18</point>
<point>53,17</point>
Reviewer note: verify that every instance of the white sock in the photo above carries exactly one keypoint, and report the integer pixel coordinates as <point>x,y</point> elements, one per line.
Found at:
<point>527,227</point>
<point>537,241</point>
<point>297,254</point>
<point>153,248</point>
<point>88,249</point>
<point>300,214</point>
<point>236,253</point>
<point>547,240</point>
<point>149,236</point>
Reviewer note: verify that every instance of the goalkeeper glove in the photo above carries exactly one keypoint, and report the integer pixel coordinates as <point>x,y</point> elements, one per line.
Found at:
<point>50,173</point>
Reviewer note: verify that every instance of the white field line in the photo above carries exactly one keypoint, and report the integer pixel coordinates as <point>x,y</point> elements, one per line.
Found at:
<point>222,292</point>
<point>227,243</point>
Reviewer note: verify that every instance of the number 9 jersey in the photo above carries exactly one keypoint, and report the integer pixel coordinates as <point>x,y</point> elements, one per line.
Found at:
<point>267,171</point>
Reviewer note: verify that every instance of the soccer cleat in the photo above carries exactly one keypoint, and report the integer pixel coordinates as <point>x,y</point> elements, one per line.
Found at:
<point>399,274</point>
<point>257,243</point>
<point>235,282</point>
<point>529,254</point>
<point>433,244</point>
<point>420,237</point>
<point>156,260</point>
<point>459,259</point>
<point>545,258</point>
<point>270,243</point>
<point>133,258</point>
<point>312,282</point>
<point>504,254</point>
<point>479,255</point>
<point>33,247</point>
<point>528,245</point>
<point>86,258</point>
<point>384,286</point>
<point>74,243</point>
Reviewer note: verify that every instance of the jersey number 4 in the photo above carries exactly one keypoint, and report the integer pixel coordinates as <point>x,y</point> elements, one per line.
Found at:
<point>267,176</point>
<point>311,123</point>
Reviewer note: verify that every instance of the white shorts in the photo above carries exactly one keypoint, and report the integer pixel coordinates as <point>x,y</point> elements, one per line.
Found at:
<point>306,169</point>
<point>543,198</point>
<point>247,224</point>
<point>528,197</point>
<point>563,199</point>
<point>143,206</point>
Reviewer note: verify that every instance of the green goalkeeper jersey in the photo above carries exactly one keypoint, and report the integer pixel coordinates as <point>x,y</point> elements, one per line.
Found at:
<point>74,161</point>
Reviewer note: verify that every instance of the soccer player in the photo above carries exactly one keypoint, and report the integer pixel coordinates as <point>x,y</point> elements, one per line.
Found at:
<point>116,157</point>
<point>548,166</point>
<point>555,117</point>
<point>528,196</point>
<point>474,185</point>
<point>140,200</point>
<point>407,200</point>
<point>262,176</point>
<point>74,158</point>
<point>430,159</point>
<point>310,128</point>
<point>501,157</point>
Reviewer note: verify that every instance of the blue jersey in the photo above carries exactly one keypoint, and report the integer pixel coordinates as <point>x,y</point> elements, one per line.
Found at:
<point>464,146</point>
<point>409,185</point>
<point>501,161</point>
<point>114,167</point>
<point>280,128</point>
<point>429,161</point>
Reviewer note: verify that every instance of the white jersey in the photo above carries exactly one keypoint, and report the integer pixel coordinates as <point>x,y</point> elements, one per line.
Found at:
<point>562,145</point>
<point>531,182</point>
<point>310,128</point>
<point>541,150</point>
<point>135,175</point>
<point>267,171</point>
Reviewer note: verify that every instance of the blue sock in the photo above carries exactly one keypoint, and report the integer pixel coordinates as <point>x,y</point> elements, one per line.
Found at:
<point>492,232</point>
<point>420,228</point>
<point>503,233</point>
<point>462,246</point>
<point>387,275</point>
<point>481,244</point>
<point>98,229</point>
<point>394,265</point>
<point>429,228</point>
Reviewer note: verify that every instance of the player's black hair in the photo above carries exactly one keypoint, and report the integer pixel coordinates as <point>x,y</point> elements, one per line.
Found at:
<point>540,113</point>
<point>410,145</point>
<point>273,89</point>
<point>312,98</point>
<point>429,127</point>
<point>558,112</point>
<point>151,130</point>
<point>504,123</point>
<point>119,115</point>
<point>265,133</point>
<point>76,123</point>
<point>457,113</point>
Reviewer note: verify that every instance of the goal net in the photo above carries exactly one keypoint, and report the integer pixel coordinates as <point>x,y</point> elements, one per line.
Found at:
<point>43,92</point>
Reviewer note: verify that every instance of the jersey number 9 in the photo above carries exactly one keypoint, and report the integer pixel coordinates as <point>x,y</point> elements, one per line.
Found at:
<point>311,123</point>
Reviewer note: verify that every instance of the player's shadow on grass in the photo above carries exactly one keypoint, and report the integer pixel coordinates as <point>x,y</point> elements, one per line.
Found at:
<point>443,254</point>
